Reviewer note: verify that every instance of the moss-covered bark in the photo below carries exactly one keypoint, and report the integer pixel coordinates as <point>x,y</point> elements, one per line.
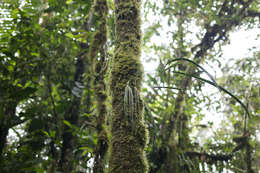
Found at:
<point>98,59</point>
<point>129,135</point>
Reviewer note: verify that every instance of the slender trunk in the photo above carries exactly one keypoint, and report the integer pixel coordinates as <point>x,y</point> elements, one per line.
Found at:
<point>97,43</point>
<point>83,65</point>
<point>129,134</point>
<point>3,135</point>
<point>174,146</point>
<point>99,60</point>
<point>69,140</point>
<point>248,157</point>
<point>5,123</point>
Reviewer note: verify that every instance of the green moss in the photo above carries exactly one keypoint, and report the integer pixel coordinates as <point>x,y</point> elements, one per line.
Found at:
<point>127,145</point>
<point>97,58</point>
<point>171,163</point>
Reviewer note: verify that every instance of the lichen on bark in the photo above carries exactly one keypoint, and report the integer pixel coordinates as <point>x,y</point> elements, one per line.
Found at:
<point>129,134</point>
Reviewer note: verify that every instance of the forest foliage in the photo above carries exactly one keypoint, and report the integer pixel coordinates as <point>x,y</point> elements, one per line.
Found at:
<point>61,84</point>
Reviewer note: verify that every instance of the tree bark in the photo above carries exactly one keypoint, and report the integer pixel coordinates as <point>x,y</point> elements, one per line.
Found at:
<point>5,124</point>
<point>99,60</point>
<point>129,134</point>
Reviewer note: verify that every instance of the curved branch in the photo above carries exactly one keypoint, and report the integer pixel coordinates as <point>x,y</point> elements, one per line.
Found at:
<point>217,86</point>
<point>252,13</point>
<point>185,59</point>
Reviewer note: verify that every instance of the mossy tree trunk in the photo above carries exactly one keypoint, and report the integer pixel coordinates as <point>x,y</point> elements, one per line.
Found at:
<point>98,58</point>
<point>176,137</point>
<point>129,134</point>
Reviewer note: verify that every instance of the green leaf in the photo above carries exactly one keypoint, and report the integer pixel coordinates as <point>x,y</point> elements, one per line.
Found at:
<point>52,133</point>
<point>46,133</point>
<point>70,35</point>
<point>67,123</point>
<point>10,68</point>
<point>35,54</point>
<point>69,2</point>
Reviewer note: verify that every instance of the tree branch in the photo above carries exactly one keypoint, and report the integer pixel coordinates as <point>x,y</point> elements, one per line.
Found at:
<point>209,158</point>
<point>252,13</point>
